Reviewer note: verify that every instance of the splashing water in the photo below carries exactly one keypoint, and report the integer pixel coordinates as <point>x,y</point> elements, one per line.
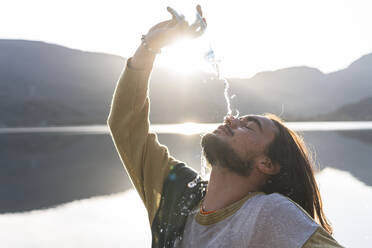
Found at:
<point>210,57</point>
<point>215,63</point>
<point>194,182</point>
<point>231,109</point>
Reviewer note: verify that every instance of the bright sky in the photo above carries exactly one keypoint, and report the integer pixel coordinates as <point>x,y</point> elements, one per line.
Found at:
<point>249,36</point>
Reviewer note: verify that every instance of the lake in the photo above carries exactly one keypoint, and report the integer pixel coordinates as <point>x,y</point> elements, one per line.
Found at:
<point>66,187</point>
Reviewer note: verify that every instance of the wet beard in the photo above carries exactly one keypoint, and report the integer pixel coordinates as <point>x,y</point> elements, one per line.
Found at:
<point>219,152</point>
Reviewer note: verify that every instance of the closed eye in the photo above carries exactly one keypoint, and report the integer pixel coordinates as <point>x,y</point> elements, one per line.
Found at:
<point>249,128</point>
<point>245,121</point>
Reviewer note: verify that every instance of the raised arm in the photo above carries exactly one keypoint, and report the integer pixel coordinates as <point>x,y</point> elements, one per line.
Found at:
<point>146,161</point>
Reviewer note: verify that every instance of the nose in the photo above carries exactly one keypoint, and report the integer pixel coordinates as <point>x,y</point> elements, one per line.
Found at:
<point>231,121</point>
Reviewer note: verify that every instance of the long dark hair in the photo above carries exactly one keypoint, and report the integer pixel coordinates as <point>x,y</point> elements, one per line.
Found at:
<point>296,177</point>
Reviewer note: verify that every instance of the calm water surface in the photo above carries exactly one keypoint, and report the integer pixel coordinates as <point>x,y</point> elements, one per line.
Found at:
<point>192,128</point>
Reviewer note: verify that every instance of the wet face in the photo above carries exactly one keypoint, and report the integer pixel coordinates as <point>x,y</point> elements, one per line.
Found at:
<point>239,142</point>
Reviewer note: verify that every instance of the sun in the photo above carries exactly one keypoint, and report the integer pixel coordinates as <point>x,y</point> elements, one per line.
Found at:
<point>185,57</point>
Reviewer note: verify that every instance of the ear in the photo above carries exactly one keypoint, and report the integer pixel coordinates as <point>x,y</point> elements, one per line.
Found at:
<point>267,167</point>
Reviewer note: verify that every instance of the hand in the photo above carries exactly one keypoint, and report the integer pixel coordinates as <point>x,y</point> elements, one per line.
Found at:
<point>164,34</point>
<point>167,32</point>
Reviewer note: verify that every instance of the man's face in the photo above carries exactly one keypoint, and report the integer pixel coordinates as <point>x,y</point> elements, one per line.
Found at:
<point>239,141</point>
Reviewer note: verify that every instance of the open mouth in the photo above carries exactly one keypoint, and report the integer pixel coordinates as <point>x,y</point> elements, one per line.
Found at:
<point>230,130</point>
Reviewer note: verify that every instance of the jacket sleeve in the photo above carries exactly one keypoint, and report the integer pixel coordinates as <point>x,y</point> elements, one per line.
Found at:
<point>146,161</point>
<point>321,239</point>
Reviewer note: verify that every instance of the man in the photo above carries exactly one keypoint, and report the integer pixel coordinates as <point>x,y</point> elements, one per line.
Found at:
<point>261,192</point>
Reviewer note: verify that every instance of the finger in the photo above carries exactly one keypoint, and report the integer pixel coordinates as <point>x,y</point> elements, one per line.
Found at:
<point>198,33</point>
<point>197,24</point>
<point>194,26</point>
<point>195,33</point>
<point>199,21</point>
<point>175,15</point>
<point>199,10</point>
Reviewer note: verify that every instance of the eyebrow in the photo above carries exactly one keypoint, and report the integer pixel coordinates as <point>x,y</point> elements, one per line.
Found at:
<point>251,118</point>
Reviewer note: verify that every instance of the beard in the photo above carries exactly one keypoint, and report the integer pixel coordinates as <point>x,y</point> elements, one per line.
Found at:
<point>218,152</point>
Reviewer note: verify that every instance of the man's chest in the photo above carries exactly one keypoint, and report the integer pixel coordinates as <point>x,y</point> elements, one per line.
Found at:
<point>234,231</point>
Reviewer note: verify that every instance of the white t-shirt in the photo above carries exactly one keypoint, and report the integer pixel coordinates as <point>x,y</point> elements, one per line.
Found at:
<point>268,221</point>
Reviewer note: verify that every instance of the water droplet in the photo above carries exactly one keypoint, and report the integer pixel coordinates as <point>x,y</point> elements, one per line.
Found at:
<point>215,64</point>
<point>191,184</point>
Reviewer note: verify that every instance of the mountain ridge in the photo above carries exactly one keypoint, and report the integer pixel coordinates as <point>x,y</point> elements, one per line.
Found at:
<point>76,88</point>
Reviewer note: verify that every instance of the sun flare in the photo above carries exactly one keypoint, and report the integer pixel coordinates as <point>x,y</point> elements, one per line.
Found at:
<point>186,128</point>
<point>186,57</point>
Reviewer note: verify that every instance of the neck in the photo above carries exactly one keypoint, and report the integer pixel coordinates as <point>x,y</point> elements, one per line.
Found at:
<point>226,187</point>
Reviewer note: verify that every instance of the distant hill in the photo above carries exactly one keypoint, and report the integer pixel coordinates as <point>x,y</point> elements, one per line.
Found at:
<point>305,92</point>
<point>357,111</point>
<point>46,84</point>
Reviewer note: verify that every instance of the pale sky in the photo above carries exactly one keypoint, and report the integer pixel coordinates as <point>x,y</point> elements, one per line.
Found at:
<point>249,36</point>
